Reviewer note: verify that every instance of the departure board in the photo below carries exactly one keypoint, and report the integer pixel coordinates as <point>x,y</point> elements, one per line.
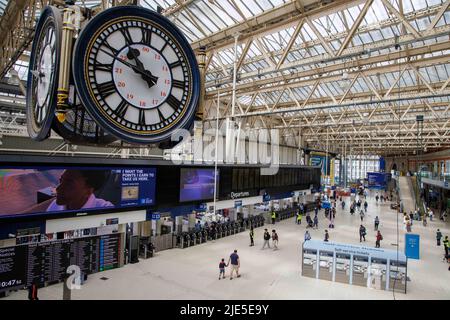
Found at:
<point>45,263</point>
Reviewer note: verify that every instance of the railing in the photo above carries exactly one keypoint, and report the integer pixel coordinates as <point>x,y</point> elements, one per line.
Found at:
<point>435,176</point>
<point>416,188</point>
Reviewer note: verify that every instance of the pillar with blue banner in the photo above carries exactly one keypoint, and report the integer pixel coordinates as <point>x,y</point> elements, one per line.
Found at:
<point>412,246</point>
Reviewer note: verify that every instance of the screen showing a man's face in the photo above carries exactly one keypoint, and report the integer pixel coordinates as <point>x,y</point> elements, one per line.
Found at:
<point>55,189</point>
<point>73,191</point>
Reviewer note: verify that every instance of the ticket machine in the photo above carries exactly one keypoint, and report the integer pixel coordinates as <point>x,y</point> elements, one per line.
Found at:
<point>309,264</point>
<point>378,273</point>
<point>360,270</point>
<point>326,265</point>
<point>397,276</point>
<point>342,273</point>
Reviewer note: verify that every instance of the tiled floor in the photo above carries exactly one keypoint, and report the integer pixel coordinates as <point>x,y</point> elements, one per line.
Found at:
<point>192,273</point>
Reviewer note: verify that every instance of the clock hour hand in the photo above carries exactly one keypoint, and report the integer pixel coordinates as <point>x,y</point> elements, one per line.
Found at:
<point>145,75</point>
<point>133,54</point>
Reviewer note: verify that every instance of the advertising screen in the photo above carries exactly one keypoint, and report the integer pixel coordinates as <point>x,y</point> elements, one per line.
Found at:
<point>27,191</point>
<point>197,184</point>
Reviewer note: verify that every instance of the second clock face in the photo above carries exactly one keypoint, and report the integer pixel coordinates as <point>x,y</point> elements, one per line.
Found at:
<point>139,77</point>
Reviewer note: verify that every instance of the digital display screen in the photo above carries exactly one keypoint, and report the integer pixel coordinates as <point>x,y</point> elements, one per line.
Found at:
<point>27,191</point>
<point>197,184</point>
<point>47,262</point>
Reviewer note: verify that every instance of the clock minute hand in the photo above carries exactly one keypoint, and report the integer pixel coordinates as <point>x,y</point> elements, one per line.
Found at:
<point>133,54</point>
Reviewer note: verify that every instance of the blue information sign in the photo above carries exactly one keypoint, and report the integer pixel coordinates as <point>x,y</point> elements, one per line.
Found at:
<point>412,246</point>
<point>238,203</point>
<point>156,216</point>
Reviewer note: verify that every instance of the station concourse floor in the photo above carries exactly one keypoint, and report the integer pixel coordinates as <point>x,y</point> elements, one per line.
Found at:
<point>192,273</point>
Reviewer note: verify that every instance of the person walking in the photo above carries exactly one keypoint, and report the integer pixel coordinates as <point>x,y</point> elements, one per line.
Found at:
<point>222,266</point>
<point>299,218</point>
<point>362,233</point>
<point>376,222</point>
<point>365,206</point>
<point>361,215</point>
<point>274,216</point>
<point>327,236</point>
<point>307,236</point>
<point>438,237</point>
<point>379,237</point>
<point>275,240</point>
<point>445,242</point>
<point>33,292</point>
<point>377,197</point>
<point>266,239</point>
<point>424,220</point>
<point>430,214</point>
<point>252,233</point>
<point>411,217</point>
<point>235,264</point>
<point>316,222</point>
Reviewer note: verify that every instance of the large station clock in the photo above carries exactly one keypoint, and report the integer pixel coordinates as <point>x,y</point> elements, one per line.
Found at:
<point>43,74</point>
<point>136,74</point>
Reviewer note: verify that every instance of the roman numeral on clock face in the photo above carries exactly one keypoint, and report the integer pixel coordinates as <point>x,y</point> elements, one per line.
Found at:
<point>178,84</point>
<point>112,49</point>
<point>175,64</point>
<point>104,67</point>
<point>122,108</point>
<point>161,116</point>
<point>106,88</point>
<point>126,34</point>
<point>173,102</point>
<point>146,36</point>
<point>141,117</point>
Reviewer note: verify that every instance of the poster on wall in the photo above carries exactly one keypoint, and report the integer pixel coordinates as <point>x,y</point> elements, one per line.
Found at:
<point>49,191</point>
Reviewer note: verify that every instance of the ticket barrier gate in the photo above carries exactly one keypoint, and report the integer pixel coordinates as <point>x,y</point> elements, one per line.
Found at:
<point>232,229</point>
<point>218,231</point>
<point>241,226</point>
<point>236,227</point>
<point>226,226</point>
<point>192,239</point>
<point>204,235</point>
<point>198,237</point>
<point>184,240</point>
<point>223,230</point>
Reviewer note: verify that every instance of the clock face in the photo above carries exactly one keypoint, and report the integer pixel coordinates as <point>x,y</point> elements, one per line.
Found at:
<point>43,74</point>
<point>138,77</point>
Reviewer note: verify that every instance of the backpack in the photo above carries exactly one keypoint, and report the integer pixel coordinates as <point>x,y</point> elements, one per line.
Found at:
<point>266,236</point>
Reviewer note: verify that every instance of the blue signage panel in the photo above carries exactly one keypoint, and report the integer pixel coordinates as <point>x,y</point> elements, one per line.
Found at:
<point>156,216</point>
<point>266,197</point>
<point>238,203</point>
<point>412,246</point>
